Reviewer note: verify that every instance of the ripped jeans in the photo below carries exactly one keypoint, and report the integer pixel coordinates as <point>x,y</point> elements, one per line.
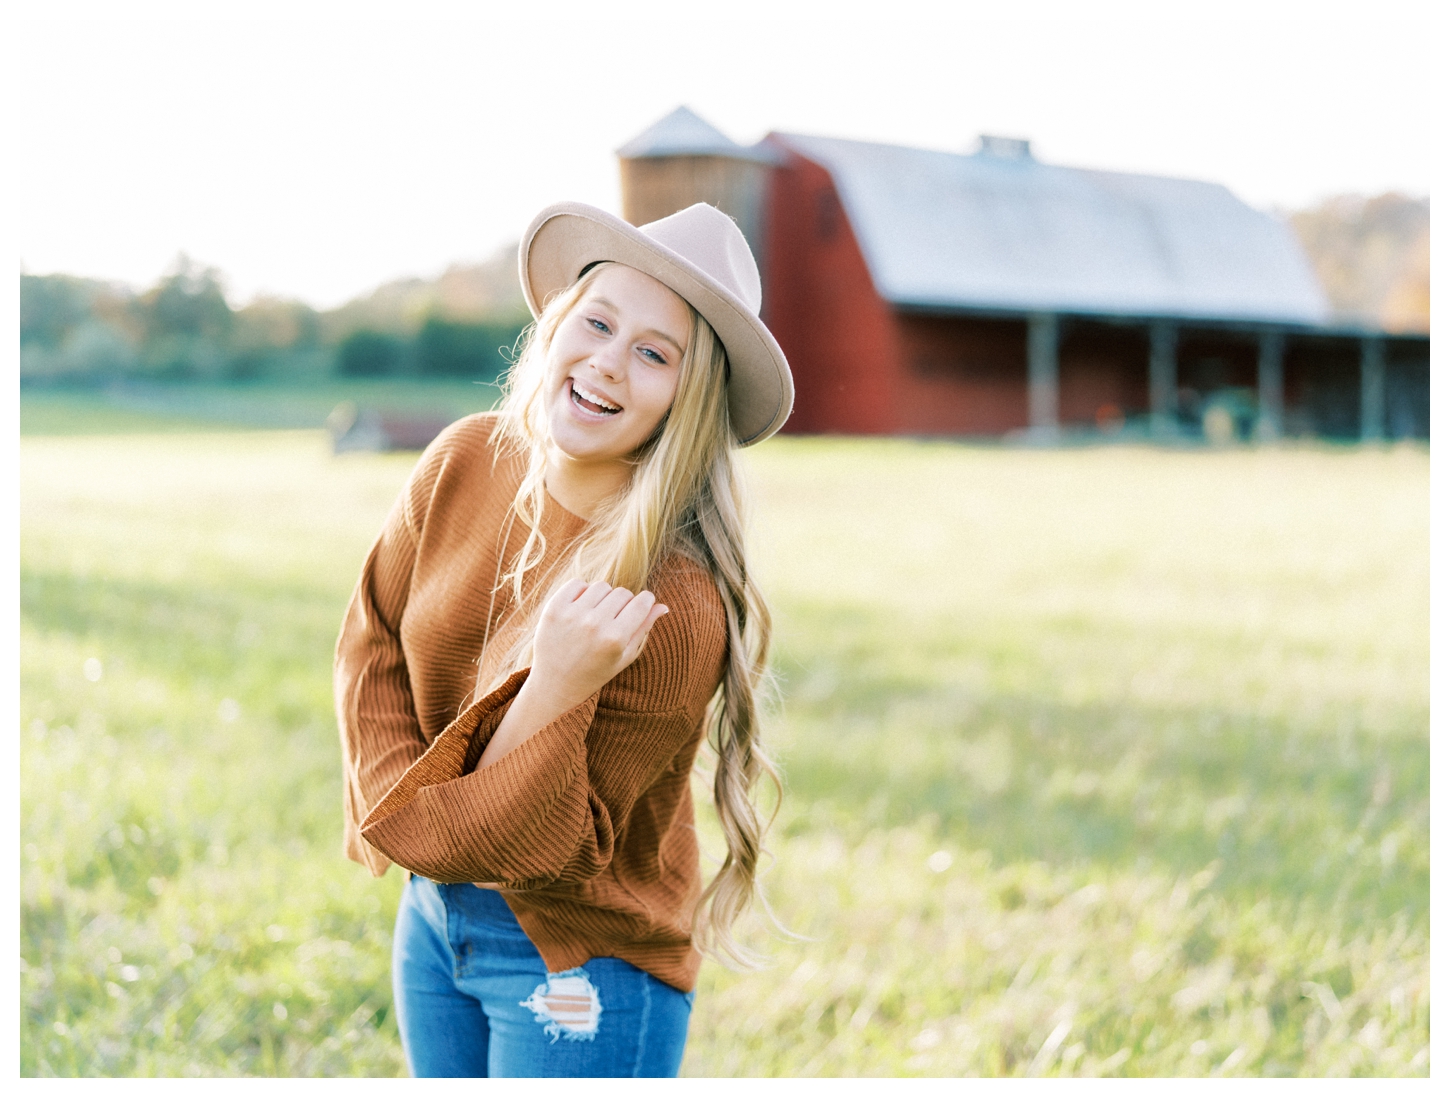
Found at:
<point>475,999</point>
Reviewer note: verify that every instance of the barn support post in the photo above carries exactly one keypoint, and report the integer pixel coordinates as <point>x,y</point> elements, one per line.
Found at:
<point>1042,341</point>
<point>1271,385</point>
<point>1371,389</point>
<point>1163,378</point>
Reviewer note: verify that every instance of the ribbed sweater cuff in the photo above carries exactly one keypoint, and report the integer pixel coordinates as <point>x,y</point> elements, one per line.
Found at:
<point>446,756</point>
<point>451,823</point>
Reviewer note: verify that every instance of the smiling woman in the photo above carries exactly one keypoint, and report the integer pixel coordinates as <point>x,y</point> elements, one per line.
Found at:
<point>613,367</point>
<point>557,612</point>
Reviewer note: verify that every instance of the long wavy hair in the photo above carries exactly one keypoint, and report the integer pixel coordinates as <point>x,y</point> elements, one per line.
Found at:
<point>684,496</point>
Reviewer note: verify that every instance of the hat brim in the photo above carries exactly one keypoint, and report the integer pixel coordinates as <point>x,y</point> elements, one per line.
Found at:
<point>567,237</point>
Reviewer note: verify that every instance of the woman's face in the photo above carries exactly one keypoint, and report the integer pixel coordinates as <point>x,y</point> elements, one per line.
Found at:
<point>614,365</point>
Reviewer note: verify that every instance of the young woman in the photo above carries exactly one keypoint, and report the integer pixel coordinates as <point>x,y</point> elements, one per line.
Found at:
<point>557,611</point>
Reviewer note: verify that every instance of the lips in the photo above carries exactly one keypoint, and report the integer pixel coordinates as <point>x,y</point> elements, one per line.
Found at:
<point>591,402</point>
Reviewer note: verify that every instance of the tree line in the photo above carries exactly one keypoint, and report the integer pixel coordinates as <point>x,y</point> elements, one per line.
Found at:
<point>1372,256</point>
<point>81,331</point>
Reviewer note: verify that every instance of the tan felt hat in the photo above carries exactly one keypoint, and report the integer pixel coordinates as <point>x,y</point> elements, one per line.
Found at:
<point>701,255</point>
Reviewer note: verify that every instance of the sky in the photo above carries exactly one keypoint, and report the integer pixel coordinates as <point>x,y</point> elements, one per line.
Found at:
<point>316,155</point>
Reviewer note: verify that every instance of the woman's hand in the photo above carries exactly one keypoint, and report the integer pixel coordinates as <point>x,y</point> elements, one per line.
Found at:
<point>587,634</point>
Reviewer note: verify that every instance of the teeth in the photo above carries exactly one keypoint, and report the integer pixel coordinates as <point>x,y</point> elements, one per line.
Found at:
<point>595,398</point>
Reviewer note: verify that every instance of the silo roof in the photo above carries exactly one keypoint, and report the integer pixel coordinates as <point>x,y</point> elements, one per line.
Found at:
<point>682,132</point>
<point>988,231</point>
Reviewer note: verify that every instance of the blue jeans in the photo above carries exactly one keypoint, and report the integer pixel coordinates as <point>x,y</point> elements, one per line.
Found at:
<point>475,999</point>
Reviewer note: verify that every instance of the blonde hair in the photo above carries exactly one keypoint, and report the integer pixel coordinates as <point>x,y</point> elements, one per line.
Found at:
<point>683,497</point>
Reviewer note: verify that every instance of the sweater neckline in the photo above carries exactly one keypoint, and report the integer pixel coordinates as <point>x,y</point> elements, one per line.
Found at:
<point>556,513</point>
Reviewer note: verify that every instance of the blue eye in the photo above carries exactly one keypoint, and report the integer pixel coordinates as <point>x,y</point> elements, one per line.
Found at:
<point>654,356</point>
<point>599,325</point>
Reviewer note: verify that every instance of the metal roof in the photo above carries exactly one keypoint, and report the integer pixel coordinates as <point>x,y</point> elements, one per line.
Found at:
<point>994,232</point>
<point>682,132</point>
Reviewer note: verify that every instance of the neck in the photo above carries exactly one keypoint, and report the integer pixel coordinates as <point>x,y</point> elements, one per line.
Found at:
<point>581,486</point>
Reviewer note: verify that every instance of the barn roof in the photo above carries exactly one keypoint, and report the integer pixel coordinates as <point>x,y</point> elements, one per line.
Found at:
<point>999,230</point>
<point>682,132</point>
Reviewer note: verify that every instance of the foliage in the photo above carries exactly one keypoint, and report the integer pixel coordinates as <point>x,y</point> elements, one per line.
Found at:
<point>186,324</point>
<point>467,293</point>
<point>51,305</point>
<point>272,337</point>
<point>188,301</point>
<point>89,350</point>
<point>451,349</point>
<point>370,354</point>
<point>1098,762</point>
<point>83,331</point>
<point>441,349</point>
<point>75,329</point>
<point>1372,256</point>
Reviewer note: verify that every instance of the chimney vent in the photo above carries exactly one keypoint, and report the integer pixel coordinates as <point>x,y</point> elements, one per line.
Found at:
<point>1004,148</point>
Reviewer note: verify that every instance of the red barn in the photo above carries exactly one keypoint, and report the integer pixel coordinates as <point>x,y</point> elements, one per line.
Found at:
<point>932,293</point>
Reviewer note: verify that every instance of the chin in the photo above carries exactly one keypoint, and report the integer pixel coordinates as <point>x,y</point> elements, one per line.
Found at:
<point>588,441</point>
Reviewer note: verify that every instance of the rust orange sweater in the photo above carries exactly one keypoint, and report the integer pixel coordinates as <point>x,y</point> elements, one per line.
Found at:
<point>588,826</point>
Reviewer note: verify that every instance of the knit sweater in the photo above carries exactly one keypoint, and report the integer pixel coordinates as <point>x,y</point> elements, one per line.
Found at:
<point>587,827</point>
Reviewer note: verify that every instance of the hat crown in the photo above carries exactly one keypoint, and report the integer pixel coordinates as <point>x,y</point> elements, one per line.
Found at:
<point>709,239</point>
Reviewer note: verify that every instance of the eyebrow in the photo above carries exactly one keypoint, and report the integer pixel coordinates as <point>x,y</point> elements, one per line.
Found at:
<point>665,336</point>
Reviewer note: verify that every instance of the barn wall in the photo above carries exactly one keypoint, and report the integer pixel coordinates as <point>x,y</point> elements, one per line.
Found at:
<point>822,306</point>
<point>961,375</point>
<point>968,375</point>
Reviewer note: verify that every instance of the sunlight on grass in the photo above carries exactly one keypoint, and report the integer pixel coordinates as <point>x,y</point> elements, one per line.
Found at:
<point>1099,762</point>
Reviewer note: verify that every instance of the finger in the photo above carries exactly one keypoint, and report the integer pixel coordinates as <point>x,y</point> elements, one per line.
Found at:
<point>613,603</point>
<point>593,595</point>
<point>568,591</point>
<point>563,597</point>
<point>641,635</point>
<point>633,613</point>
<point>652,614</point>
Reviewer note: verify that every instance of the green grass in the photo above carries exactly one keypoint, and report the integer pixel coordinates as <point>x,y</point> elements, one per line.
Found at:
<point>146,408</point>
<point>1104,761</point>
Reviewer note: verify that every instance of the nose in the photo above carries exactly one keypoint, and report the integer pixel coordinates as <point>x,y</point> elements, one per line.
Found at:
<point>608,361</point>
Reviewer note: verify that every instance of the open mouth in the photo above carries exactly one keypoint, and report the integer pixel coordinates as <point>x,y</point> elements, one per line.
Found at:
<point>592,402</point>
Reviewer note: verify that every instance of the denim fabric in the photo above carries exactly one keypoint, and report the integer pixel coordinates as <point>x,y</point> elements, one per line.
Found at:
<point>474,998</point>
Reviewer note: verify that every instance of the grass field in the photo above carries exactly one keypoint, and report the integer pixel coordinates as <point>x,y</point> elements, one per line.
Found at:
<point>148,408</point>
<point>1101,761</point>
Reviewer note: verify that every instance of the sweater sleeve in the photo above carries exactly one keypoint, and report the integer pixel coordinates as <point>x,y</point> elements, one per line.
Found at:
<point>552,809</point>
<point>381,737</point>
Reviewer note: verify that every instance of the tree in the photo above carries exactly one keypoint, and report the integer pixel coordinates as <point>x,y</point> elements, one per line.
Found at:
<point>50,305</point>
<point>369,354</point>
<point>453,349</point>
<point>1372,256</point>
<point>187,323</point>
<point>188,301</point>
<point>74,329</point>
